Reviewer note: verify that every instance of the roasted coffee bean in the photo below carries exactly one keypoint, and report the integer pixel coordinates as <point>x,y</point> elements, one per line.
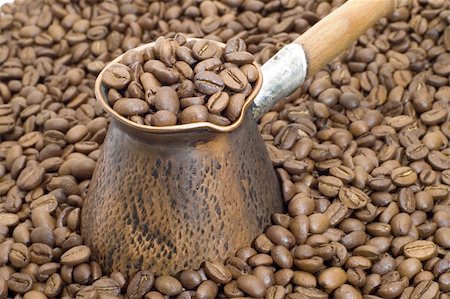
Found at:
<point>141,283</point>
<point>425,289</point>
<point>234,79</point>
<point>218,102</point>
<point>346,291</point>
<point>204,49</point>
<point>163,118</point>
<point>329,185</point>
<point>239,58</point>
<point>403,176</point>
<point>434,116</point>
<point>438,160</point>
<point>211,64</point>
<point>343,173</point>
<point>280,236</point>
<point>194,113</point>
<point>130,107</point>
<point>106,286</point>
<point>207,289</point>
<point>117,76</point>
<point>251,72</point>
<point>190,279</point>
<point>30,178</point>
<point>235,106</point>
<point>251,285</point>
<point>441,237</point>
<point>20,282</point>
<point>416,151</point>
<point>217,272</point>
<point>235,45</point>
<point>167,99</point>
<point>275,292</point>
<point>353,198</point>
<point>168,285</point>
<point>422,250</point>
<point>208,82</point>
<point>332,278</point>
<point>167,52</point>
<point>76,255</point>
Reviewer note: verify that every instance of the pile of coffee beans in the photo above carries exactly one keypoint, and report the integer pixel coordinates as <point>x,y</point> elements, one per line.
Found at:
<point>180,82</point>
<point>361,152</point>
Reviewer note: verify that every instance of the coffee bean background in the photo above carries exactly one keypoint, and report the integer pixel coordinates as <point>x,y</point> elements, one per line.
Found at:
<point>361,152</point>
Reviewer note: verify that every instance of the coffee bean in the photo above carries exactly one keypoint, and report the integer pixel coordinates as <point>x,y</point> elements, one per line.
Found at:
<point>40,253</point>
<point>353,198</point>
<point>34,294</point>
<point>218,102</point>
<point>234,79</point>
<point>208,82</point>
<point>76,255</point>
<point>251,285</point>
<point>329,185</point>
<point>117,76</point>
<point>282,256</point>
<point>425,289</point>
<point>163,118</point>
<point>422,250</point>
<point>20,282</point>
<point>190,279</point>
<point>141,283</point>
<point>168,285</point>
<point>167,52</point>
<point>167,99</point>
<point>235,105</point>
<point>438,160</point>
<point>239,58</point>
<point>30,178</point>
<point>217,272</point>
<point>207,289</point>
<point>403,176</point>
<point>441,237</point>
<point>130,107</point>
<point>280,236</point>
<point>251,72</point>
<point>194,113</point>
<point>106,286</point>
<point>149,82</point>
<point>19,255</point>
<point>346,291</point>
<point>332,278</point>
<point>275,292</point>
<point>6,124</point>
<point>307,292</point>
<point>434,116</point>
<point>204,49</point>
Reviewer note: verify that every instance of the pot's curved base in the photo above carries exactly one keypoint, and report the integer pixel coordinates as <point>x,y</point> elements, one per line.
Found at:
<point>166,209</point>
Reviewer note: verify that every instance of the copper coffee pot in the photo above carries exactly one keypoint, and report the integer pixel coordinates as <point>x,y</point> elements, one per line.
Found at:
<point>168,198</point>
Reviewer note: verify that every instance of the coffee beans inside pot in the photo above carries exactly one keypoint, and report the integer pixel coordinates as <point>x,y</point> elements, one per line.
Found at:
<point>164,89</point>
<point>361,150</point>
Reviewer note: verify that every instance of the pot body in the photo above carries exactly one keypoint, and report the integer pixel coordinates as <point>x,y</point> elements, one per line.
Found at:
<point>167,202</point>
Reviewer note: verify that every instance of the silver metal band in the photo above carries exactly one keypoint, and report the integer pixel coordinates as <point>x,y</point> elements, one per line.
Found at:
<point>282,74</point>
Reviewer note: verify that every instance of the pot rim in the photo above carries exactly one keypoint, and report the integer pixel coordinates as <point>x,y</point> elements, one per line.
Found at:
<point>100,94</point>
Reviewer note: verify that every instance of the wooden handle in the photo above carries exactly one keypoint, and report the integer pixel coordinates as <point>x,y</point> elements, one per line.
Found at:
<point>337,31</point>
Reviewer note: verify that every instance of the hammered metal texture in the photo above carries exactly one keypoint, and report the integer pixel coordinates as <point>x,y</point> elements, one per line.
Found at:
<point>169,202</point>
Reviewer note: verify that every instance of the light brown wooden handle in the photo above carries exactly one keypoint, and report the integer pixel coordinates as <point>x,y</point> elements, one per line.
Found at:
<point>337,31</point>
